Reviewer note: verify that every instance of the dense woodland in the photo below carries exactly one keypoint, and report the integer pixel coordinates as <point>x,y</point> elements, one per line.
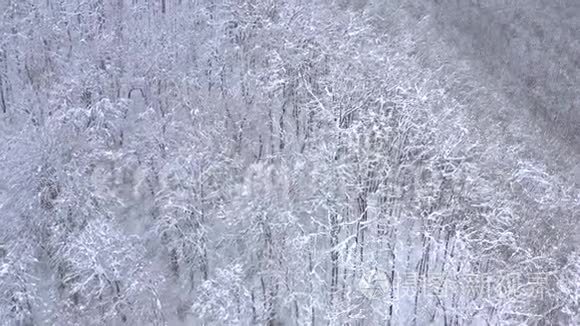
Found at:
<point>249,162</point>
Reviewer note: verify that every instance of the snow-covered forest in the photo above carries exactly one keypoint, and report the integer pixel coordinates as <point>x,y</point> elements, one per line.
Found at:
<point>263,162</point>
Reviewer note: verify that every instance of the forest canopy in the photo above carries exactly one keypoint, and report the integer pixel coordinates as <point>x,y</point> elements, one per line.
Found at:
<point>261,162</point>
